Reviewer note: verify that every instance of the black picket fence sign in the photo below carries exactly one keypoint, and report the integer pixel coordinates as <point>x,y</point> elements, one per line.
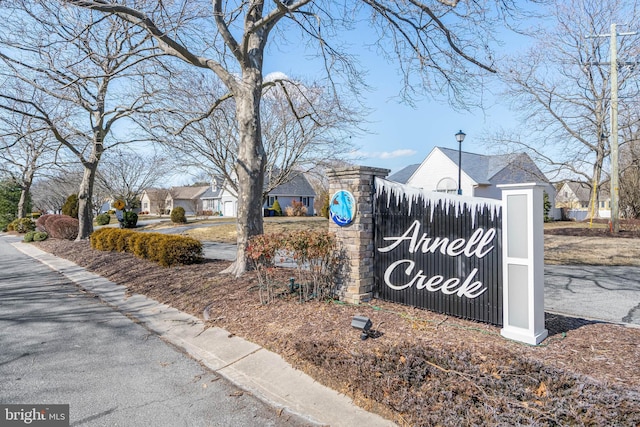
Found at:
<point>438,252</point>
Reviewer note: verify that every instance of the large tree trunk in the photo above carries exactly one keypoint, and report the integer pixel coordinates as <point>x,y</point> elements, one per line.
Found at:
<point>249,168</point>
<point>85,194</point>
<point>22,202</point>
<point>24,193</point>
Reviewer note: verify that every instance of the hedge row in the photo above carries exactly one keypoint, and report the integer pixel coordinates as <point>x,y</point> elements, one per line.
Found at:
<point>58,226</point>
<point>21,225</point>
<point>165,249</point>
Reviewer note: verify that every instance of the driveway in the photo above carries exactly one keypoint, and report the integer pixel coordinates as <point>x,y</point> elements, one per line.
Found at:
<point>594,292</point>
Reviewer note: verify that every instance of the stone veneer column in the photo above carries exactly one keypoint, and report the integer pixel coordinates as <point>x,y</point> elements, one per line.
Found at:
<point>357,238</point>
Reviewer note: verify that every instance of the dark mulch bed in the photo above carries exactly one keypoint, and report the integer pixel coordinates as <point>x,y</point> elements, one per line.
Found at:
<point>424,368</point>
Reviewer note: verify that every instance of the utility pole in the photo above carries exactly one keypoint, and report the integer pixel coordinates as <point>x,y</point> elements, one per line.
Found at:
<point>615,201</point>
<point>615,171</point>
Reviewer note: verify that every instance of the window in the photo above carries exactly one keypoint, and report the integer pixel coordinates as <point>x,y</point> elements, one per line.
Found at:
<point>272,199</point>
<point>447,185</point>
<point>145,206</point>
<point>305,201</point>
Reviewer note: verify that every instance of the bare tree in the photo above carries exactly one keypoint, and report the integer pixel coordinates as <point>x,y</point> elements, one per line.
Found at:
<point>125,174</point>
<point>441,45</point>
<point>562,87</point>
<point>26,149</point>
<point>88,71</point>
<point>630,176</point>
<point>303,128</point>
<point>49,192</point>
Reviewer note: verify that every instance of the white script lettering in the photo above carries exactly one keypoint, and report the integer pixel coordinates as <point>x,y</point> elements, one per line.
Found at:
<point>478,244</point>
<point>436,283</point>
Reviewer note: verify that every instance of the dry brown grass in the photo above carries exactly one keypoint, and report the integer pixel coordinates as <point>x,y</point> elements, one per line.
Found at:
<point>580,250</point>
<point>559,248</point>
<point>220,230</point>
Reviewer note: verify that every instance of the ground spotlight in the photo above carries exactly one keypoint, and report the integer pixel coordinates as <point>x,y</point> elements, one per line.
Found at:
<point>364,324</point>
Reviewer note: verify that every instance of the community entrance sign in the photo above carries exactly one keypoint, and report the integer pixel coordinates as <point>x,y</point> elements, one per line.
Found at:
<point>439,252</point>
<point>479,259</point>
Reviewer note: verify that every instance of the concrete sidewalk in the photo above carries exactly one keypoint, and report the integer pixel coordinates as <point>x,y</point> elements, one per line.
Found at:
<point>251,367</point>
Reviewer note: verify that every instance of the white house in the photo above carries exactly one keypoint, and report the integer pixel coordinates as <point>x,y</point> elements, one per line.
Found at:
<point>480,174</point>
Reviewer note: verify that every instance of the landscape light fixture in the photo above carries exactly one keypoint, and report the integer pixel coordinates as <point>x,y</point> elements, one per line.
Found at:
<point>460,137</point>
<point>364,324</point>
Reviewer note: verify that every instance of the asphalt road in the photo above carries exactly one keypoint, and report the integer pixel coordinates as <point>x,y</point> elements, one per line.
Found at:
<point>62,346</point>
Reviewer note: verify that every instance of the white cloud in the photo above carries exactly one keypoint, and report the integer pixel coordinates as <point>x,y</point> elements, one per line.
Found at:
<point>406,152</point>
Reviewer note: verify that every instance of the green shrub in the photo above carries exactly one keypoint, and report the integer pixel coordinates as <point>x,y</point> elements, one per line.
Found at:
<point>276,208</point>
<point>70,206</point>
<point>129,219</point>
<point>178,215</point>
<point>28,237</point>
<point>21,225</point>
<point>39,236</point>
<point>164,249</point>
<point>324,211</point>
<point>103,219</point>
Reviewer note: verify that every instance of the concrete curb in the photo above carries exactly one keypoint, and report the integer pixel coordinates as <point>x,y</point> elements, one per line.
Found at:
<point>263,373</point>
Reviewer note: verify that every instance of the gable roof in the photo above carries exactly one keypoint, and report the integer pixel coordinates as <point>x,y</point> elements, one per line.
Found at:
<point>403,175</point>
<point>582,191</point>
<point>298,185</point>
<point>210,193</point>
<point>155,194</point>
<point>497,169</point>
<point>187,193</point>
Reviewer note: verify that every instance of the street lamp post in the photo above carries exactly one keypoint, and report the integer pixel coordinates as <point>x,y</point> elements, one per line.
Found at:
<point>460,137</point>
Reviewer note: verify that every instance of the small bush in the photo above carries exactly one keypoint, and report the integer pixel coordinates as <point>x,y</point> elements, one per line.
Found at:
<point>178,215</point>
<point>62,227</point>
<point>35,215</point>
<point>35,236</point>
<point>129,219</point>
<point>324,210</point>
<point>39,236</point>
<point>71,206</point>
<point>103,219</point>
<point>316,256</point>
<point>276,208</point>
<point>164,249</point>
<point>296,209</point>
<point>22,225</point>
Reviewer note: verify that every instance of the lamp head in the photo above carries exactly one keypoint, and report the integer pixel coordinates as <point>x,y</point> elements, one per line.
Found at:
<point>460,136</point>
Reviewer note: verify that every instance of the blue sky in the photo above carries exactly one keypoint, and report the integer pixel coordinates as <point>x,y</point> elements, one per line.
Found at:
<point>400,134</point>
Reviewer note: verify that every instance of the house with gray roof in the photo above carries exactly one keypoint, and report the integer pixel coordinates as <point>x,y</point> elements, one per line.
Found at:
<point>573,198</point>
<point>297,189</point>
<point>219,198</point>
<point>186,197</point>
<point>480,174</point>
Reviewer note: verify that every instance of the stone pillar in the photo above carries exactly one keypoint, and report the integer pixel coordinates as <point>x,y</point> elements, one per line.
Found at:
<point>356,240</point>
<point>523,267</point>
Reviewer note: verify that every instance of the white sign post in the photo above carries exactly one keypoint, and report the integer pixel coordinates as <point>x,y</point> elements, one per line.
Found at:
<point>523,266</point>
